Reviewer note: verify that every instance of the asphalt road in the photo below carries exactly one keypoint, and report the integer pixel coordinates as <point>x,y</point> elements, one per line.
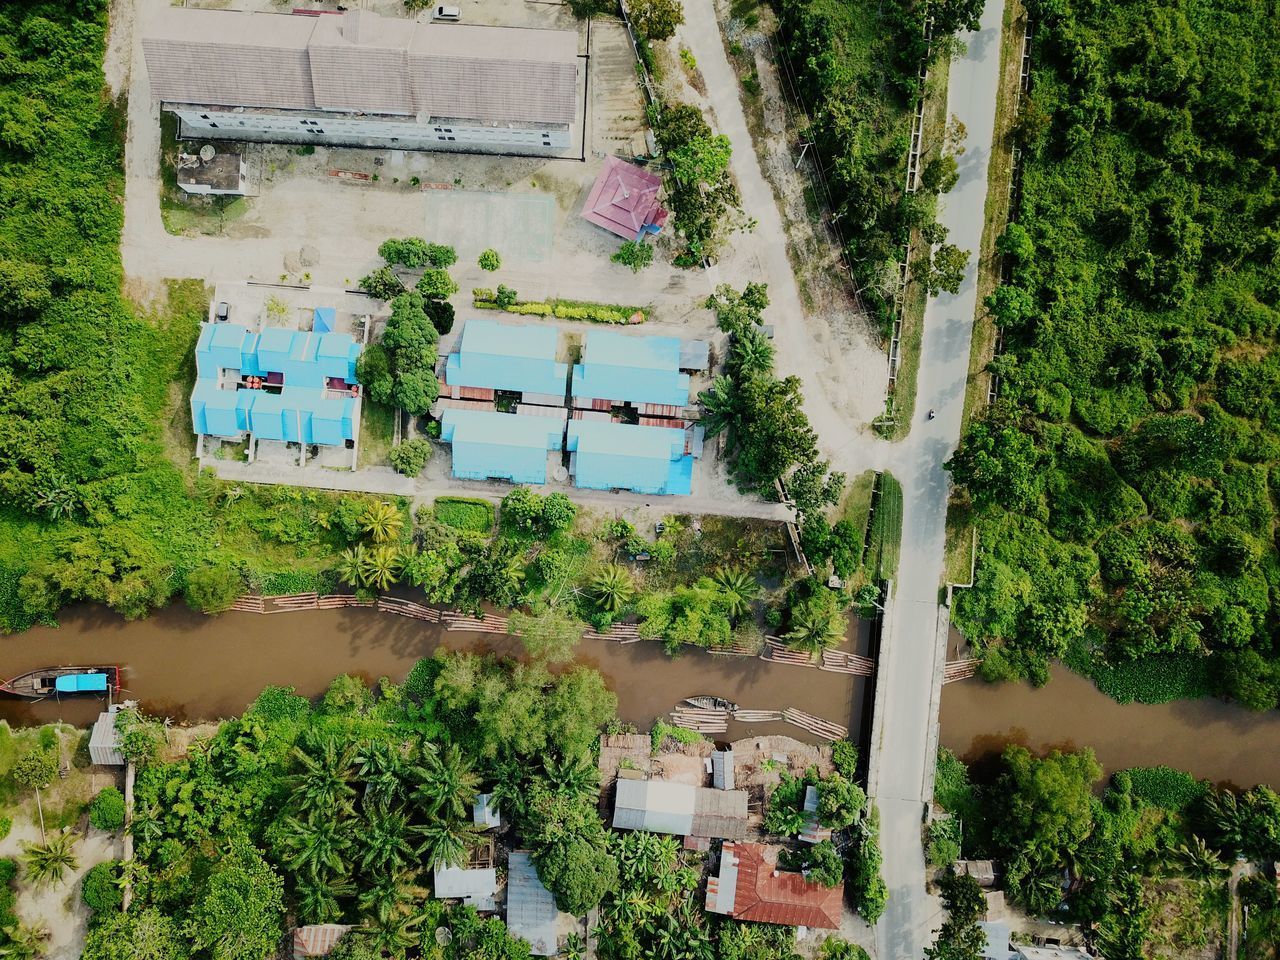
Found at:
<point>910,674</point>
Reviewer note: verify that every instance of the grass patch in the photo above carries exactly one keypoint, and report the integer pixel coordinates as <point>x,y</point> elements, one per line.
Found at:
<point>465,513</point>
<point>996,213</point>
<point>961,530</point>
<point>885,538</point>
<point>377,433</point>
<point>856,507</point>
<point>663,731</point>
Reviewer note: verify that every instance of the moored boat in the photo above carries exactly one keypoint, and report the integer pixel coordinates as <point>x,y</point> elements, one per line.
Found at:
<point>711,703</point>
<point>64,682</point>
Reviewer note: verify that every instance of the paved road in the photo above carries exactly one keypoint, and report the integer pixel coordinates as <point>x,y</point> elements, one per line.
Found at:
<point>905,730</point>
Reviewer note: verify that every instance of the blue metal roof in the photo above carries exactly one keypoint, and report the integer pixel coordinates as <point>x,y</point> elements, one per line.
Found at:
<point>300,412</point>
<point>628,457</point>
<point>619,367</point>
<point>507,356</point>
<point>322,319</point>
<point>500,445</point>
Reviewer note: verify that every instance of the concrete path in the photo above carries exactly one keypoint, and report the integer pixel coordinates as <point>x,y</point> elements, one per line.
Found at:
<point>904,734</point>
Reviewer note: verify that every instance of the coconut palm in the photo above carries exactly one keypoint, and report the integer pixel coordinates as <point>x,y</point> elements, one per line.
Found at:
<point>391,895</point>
<point>382,521</point>
<point>351,565</point>
<point>1222,819</point>
<point>393,935</point>
<point>612,588</point>
<point>814,630</point>
<point>381,767</point>
<point>318,898</point>
<point>315,846</point>
<point>48,862</point>
<point>719,405</point>
<point>447,785</point>
<point>738,587</point>
<point>382,566</point>
<point>447,843</point>
<point>384,841</point>
<point>323,785</point>
<point>24,942</point>
<point>752,353</point>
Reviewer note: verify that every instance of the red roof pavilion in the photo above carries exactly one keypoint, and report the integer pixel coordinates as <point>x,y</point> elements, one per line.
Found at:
<point>624,199</point>
<point>751,887</point>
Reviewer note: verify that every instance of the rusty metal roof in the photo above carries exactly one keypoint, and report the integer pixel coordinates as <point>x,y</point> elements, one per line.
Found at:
<point>765,894</point>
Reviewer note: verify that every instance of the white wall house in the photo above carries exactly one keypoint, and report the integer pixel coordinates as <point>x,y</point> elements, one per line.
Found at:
<point>364,80</point>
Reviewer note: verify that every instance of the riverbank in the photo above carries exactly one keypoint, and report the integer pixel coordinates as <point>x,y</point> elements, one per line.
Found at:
<point>190,667</point>
<point>1210,739</point>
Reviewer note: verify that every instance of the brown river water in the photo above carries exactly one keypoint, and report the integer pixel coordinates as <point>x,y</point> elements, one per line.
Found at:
<point>191,667</point>
<point>1211,739</point>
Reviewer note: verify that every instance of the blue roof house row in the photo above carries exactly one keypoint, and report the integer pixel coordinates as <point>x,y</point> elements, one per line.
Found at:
<point>506,356</point>
<point>318,401</point>
<point>629,369</point>
<point>609,456</point>
<point>506,446</point>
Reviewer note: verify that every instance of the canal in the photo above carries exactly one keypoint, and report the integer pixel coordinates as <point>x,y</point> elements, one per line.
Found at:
<point>189,667</point>
<point>1210,739</point>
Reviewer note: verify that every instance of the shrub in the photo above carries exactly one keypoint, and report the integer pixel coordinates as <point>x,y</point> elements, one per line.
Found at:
<point>558,512</point>
<point>944,841</point>
<point>522,509</point>
<point>382,283</point>
<point>663,731</point>
<point>411,456</point>
<point>464,513</point>
<point>106,810</point>
<point>99,891</point>
<point>441,255</point>
<point>482,294</point>
<point>490,260</point>
<point>35,768</point>
<point>410,252</point>
<point>279,705</point>
<point>212,588</point>
<point>6,824</point>
<point>635,254</point>
<point>506,297</point>
<point>436,284</point>
<point>532,308</point>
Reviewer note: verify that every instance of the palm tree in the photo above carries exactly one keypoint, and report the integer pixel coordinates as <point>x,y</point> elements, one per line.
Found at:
<point>48,862</point>
<point>318,898</point>
<point>382,566</point>
<point>384,842</point>
<point>813,630</point>
<point>719,405</point>
<point>393,935</point>
<point>1220,814</point>
<point>752,353</point>
<point>447,784</point>
<point>323,786</point>
<point>612,588</point>
<point>738,587</point>
<point>24,942</point>
<point>447,843</point>
<point>1199,862</point>
<point>315,845</point>
<point>381,766</point>
<point>351,565</point>
<point>391,895</point>
<point>382,521</point>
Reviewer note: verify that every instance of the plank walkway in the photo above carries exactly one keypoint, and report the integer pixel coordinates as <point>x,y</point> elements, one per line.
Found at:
<point>960,670</point>
<point>838,661</point>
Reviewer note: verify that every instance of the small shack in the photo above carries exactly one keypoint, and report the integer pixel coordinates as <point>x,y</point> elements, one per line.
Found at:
<point>104,740</point>
<point>209,173</point>
<point>531,908</point>
<point>476,888</point>
<point>317,940</point>
<point>722,769</point>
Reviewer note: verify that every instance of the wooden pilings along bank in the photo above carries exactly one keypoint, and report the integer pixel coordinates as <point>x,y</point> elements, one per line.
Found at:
<point>835,661</point>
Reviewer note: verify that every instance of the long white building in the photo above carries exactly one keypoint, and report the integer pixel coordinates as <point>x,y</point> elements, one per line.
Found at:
<point>364,80</point>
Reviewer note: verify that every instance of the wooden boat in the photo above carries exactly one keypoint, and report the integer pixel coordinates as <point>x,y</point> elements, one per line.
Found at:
<point>711,703</point>
<point>64,682</point>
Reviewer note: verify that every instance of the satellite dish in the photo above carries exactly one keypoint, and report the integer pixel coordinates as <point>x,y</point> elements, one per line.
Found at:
<point>206,153</point>
<point>443,936</point>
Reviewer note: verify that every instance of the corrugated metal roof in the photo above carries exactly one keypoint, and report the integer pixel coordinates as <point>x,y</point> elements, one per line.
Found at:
<point>104,741</point>
<point>531,909</point>
<point>664,806</point>
<point>765,894</point>
<point>458,883</point>
<point>487,444</point>
<point>507,356</point>
<point>629,457</point>
<point>362,62</point>
<point>317,940</point>
<point>619,367</point>
<point>722,769</point>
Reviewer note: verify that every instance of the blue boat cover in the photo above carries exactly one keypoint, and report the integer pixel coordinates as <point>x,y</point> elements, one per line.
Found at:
<point>81,683</point>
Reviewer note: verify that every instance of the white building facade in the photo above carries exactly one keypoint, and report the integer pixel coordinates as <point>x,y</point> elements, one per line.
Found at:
<point>364,80</point>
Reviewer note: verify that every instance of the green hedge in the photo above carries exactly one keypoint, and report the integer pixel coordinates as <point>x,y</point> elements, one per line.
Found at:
<point>483,299</point>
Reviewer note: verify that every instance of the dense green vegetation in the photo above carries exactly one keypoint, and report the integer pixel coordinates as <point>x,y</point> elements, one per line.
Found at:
<point>857,69</point>
<point>700,188</point>
<point>1142,866</point>
<point>1123,483</point>
<point>341,811</point>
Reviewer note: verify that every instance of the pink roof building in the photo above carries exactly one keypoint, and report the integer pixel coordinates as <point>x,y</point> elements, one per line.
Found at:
<point>624,200</point>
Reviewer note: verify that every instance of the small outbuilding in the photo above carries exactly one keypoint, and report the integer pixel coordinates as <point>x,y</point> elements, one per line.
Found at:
<point>316,940</point>
<point>104,740</point>
<point>664,806</point>
<point>475,887</point>
<point>209,173</point>
<point>532,914</point>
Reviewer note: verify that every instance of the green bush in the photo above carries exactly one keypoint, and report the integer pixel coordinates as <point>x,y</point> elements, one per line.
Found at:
<point>212,588</point>
<point>482,295</point>
<point>663,731</point>
<point>99,890</point>
<point>106,810</point>
<point>411,457</point>
<point>382,284</point>
<point>436,284</point>
<point>635,254</point>
<point>531,308</point>
<point>505,297</point>
<point>465,513</point>
<point>6,824</point>
<point>1164,787</point>
<point>490,260</point>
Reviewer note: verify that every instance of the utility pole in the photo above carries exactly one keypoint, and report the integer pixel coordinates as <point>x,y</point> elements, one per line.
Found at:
<point>804,147</point>
<point>40,807</point>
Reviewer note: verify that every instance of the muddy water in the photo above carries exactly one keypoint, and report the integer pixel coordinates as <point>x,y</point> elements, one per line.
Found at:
<point>190,667</point>
<point>1210,739</point>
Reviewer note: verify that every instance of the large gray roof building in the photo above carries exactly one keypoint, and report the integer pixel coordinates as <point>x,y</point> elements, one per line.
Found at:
<point>663,806</point>
<point>359,66</point>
